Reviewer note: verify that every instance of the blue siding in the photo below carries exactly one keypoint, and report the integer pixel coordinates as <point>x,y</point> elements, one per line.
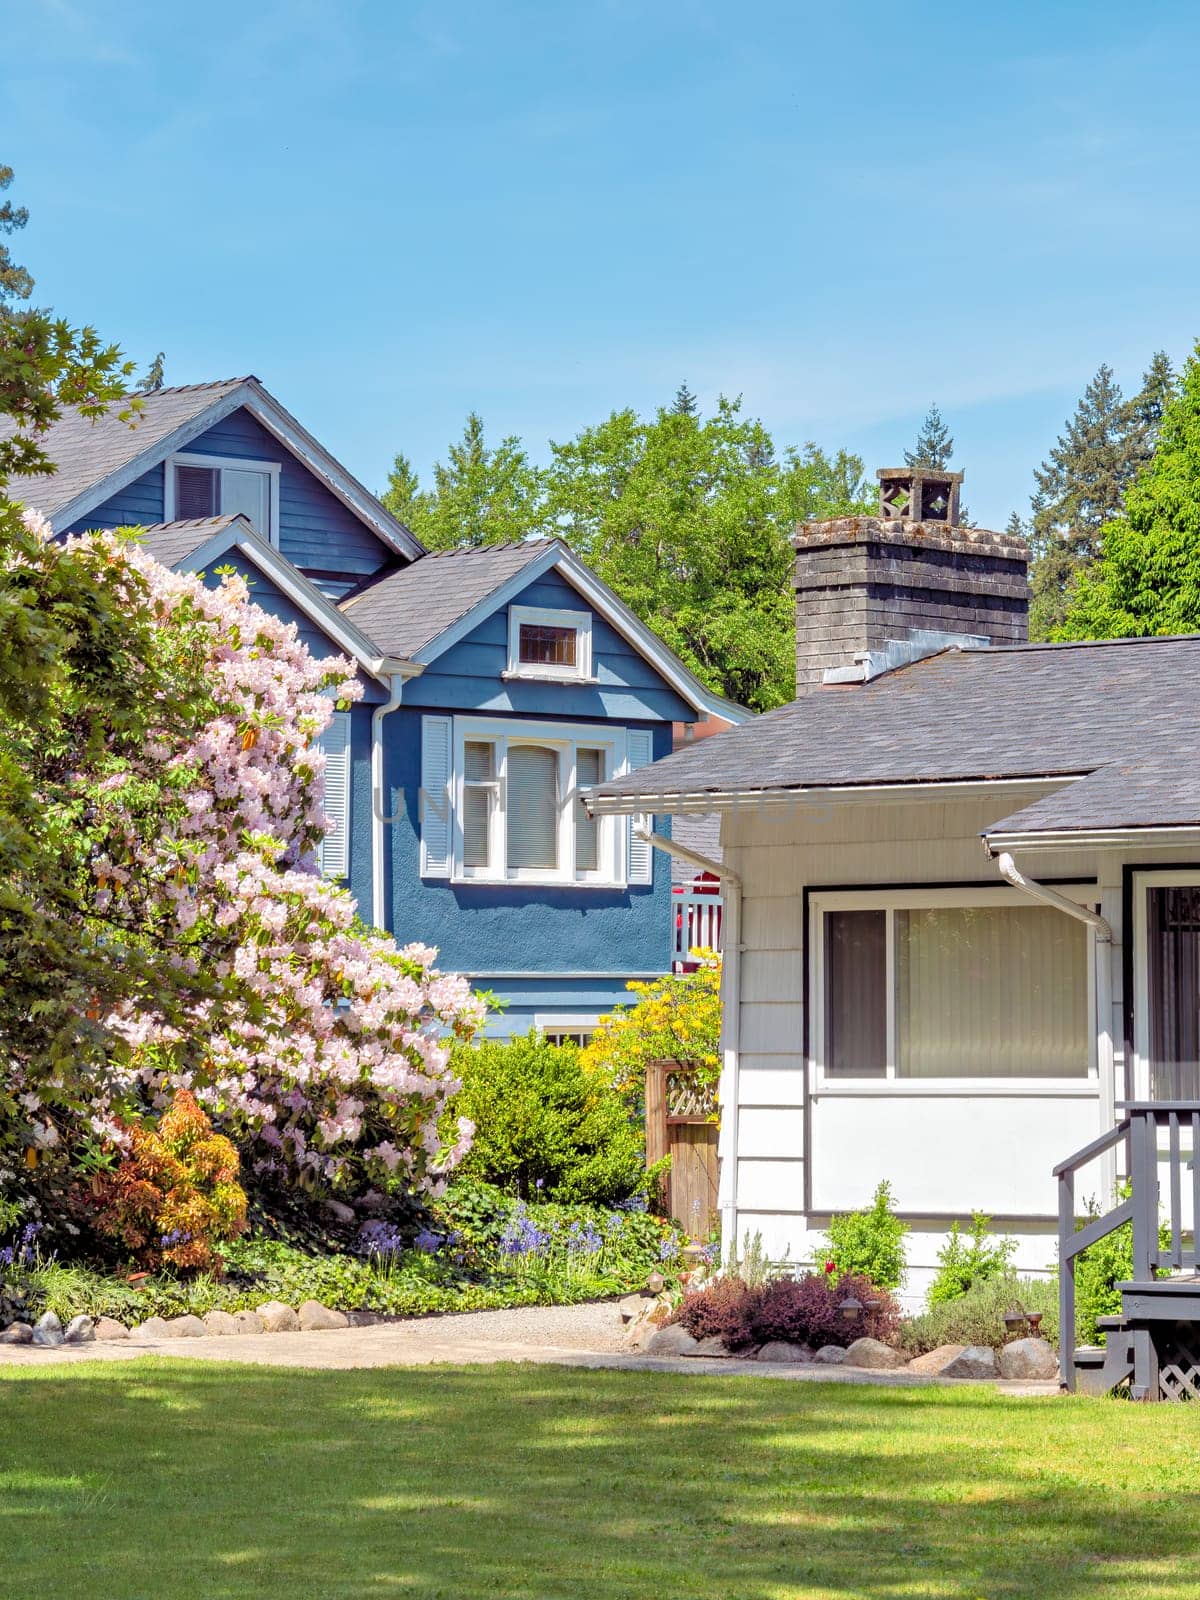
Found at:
<point>481,928</point>
<point>522,1000</point>
<point>316,531</point>
<point>468,676</point>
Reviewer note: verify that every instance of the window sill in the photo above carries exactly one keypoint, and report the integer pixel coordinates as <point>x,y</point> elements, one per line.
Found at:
<point>960,1088</point>
<point>511,676</point>
<point>461,882</point>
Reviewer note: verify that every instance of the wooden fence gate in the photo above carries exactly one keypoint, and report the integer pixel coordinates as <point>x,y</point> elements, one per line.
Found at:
<point>680,1124</point>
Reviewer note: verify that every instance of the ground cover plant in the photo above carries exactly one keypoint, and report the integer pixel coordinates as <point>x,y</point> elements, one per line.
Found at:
<point>183,1478</point>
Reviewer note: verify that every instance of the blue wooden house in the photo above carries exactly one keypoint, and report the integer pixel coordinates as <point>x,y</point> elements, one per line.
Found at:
<point>498,682</point>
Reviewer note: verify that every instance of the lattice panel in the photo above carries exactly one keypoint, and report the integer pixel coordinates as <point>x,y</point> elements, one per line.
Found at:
<point>687,1097</point>
<point>1179,1362</point>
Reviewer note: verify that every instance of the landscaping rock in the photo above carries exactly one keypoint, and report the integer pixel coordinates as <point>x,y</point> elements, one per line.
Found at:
<point>632,1306</point>
<point>874,1354</point>
<point>107,1329</point>
<point>640,1333</point>
<point>278,1318</point>
<point>363,1319</point>
<point>314,1316</point>
<point>17,1333</point>
<point>673,1340</point>
<point>340,1210</point>
<point>1028,1358</point>
<point>186,1327</point>
<point>830,1355</point>
<point>80,1330</point>
<point>933,1363</point>
<point>248,1322</point>
<point>221,1324</point>
<point>48,1330</point>
<point>785,1350</point>
<point>152,1328</point>
<point>976,1361</point>
<point>714,1345</point>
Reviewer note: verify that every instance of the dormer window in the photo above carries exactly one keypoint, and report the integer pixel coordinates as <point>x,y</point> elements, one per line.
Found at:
<point>222,486</point>
<point>549,644</point>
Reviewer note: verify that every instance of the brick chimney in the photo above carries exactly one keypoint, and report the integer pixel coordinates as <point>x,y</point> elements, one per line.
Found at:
<point>874,592</point>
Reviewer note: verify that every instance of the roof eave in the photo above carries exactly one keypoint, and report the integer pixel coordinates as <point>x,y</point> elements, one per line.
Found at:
<point>700,801</point>
<point>1143,837</point>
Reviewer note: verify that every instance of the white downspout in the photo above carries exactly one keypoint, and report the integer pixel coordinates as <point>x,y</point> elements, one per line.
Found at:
<point>1106,1058</point>
<point>379,820</point>
<point>731,988</point>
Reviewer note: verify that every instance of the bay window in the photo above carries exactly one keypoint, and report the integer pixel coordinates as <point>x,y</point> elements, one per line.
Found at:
<point>930,985</point>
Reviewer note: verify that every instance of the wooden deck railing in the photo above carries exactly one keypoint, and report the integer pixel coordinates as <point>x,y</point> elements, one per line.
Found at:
<point>1138,1132</point>
<point>697,919</point>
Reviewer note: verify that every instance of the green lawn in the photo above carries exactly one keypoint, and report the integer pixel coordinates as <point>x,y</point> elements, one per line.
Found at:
<point>159,1479</point>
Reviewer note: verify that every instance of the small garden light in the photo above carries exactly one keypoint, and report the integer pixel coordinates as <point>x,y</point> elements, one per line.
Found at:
<point>655,1283</point>
<point>850,1308</point>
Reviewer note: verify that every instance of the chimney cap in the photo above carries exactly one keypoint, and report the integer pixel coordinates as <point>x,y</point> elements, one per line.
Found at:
<point>919,494</point>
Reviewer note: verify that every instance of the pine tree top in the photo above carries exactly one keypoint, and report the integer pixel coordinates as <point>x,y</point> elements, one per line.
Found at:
<point>934,446</point>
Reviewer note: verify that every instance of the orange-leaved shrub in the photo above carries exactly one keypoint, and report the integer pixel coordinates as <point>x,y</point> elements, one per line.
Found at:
<point>175,1195</point>
<point>805,1310</point>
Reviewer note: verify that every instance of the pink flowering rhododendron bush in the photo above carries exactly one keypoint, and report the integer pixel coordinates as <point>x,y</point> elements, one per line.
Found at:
<point>186,836</point>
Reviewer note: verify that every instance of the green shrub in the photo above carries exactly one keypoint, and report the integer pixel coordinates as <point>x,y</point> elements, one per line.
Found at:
<point>977,1317</point>
<point>967,1260</point>
<point>546,1126</point>
<point>870,1243</point>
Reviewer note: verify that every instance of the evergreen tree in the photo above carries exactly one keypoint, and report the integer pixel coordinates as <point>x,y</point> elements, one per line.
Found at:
<point>686,404</point>
<point>153,380</point>
<point>480,495</point>
<point>1147,578</point>
<point>934,446</point>
<point>404,497</point>
<point>1083,484</point>
<point>1016,526</point>
<point>15,282</point>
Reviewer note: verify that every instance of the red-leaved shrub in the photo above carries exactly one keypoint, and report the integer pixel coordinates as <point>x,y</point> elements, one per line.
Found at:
<point>800,1310</point>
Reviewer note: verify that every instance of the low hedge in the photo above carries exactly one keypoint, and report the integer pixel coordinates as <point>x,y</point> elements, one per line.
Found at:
<point>800,1310</point>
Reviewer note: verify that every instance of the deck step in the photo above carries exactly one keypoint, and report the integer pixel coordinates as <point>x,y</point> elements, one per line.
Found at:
<point>1108,1323</point>
<point>1100,1368</point>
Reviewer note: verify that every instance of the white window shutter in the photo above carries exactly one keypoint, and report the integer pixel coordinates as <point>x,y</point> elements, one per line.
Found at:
<point>639,752</point>
<point>333,854</point>
<point>436,765</point>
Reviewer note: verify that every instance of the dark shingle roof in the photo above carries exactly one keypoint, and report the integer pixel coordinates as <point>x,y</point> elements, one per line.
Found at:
<point>1018,711</point>
<point>1160,791</point>
<point>87,452</point>
<point>172,542</point>
<point>407,610</point>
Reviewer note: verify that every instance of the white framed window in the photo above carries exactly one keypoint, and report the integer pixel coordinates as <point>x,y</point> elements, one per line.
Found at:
<point>218,486</point>
<point>937,986</point>
<point>544,643</point>
<point>333,853</point>
<point>517,817</point>
<point>566,1027</point>
<point>1166,984</point>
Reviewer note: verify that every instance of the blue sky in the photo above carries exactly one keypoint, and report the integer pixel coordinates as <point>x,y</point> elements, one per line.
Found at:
<point>395,212</point>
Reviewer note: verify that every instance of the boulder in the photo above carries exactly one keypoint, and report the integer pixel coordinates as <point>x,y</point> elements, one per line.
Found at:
<point>874,1354</point>
<point>933,1363</point>
<point>673,1340</point>
<point>17,1333</point>
<point>639,1334</point>
<point>80,1330</point>
<point>221,1324</point>
<point>976,1361</point>
<point>48,1330</point>
<point>248,1322</point>
<point>631,1306</point>
<point>186,1327</point>
<point>830,1355</point>
<point>785,1350</point>
<point>1028,1358</point>
<point>314,1316</point>
<point>714,1345</point>
<point>152,1328</point>
<point>278,1318</point>
<point>108,1329</point>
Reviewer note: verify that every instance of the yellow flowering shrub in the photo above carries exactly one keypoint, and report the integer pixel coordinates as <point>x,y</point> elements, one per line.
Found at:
<point>676,1018</point>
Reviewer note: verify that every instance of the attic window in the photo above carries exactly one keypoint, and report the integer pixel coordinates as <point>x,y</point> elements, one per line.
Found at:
<point>218,486</point>
<point>549,644</point>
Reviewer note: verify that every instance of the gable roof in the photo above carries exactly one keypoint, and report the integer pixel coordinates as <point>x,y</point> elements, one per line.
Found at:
<point>962,716</point>
<point>95,459</point>
<point>424,609</point>
<point>194,545</point>
<point>406,611</point>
